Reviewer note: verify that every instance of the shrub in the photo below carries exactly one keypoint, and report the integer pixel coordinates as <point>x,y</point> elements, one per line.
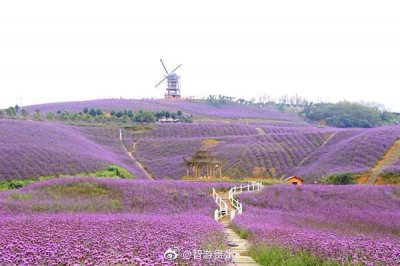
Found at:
<point>391,177</point>
<point>16,184</point>
<point>120,172</point>
<point>11,112</point>
<point>340,179</point>
<point>111,171</point>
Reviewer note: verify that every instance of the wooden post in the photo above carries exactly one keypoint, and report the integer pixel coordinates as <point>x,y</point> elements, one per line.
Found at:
<point>134,146</point>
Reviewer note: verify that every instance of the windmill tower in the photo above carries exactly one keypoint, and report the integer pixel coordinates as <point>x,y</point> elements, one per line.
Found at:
<point>173,90</point>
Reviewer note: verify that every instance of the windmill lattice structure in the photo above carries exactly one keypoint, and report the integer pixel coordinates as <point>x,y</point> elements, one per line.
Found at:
<point>173,90</point>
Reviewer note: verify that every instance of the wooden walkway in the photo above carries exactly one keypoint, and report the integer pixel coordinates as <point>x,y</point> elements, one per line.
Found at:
<point>240,259</point>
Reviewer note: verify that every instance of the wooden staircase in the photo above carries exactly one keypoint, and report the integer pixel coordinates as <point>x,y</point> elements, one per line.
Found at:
<point>236,245</point>
<point>233,238</point>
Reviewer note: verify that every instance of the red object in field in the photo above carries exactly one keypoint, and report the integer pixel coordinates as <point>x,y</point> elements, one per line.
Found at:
<point>295,180</point>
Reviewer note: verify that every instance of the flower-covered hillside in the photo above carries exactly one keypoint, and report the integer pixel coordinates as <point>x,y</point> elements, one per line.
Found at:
<point>32,149</point>
<point>355,224</point>
<point>197,108</point>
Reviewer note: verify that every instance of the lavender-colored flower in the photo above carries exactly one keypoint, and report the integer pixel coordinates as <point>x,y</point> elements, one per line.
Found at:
<point>99,239</point>
<point>356,224</point>
<point>197,108</point>
<point>94,221</point>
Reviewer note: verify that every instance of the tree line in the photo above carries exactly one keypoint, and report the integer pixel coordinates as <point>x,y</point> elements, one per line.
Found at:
<point>346,114</point>
<point>343,114</point>
<point>98,115</point>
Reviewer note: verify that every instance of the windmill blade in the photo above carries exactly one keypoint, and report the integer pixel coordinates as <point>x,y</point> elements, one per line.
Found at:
<point>161,81</point>
<point>162,63</point>
<point>176,68</point>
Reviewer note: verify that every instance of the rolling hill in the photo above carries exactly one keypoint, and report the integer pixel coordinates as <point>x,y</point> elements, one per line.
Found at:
<point>32,149</point>
<point>198,108</point>
<point>249,141</point>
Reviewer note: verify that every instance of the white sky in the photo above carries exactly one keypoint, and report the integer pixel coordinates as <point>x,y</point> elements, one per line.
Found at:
<point>322,50</point>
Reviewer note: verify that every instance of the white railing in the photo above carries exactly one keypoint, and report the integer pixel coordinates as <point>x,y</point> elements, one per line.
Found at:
<point>222,210</point>
<point>238,207</point>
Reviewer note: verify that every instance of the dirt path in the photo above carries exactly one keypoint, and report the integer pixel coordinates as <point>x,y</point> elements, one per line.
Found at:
<point>233,238</point>
<point>322,145</point>
<point>391,155</point>
<point>138,164</point>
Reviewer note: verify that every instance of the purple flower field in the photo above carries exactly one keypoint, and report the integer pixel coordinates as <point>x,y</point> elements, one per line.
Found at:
<point>356,224</point>
<point>32,149</point>
<point>196,108</point>
<point>353,150</point>
<point>94,221</point>
<point>111,195</point>
<point>199,130</point>
<point>99,239</point>
<point>393,168</point>
<point>102,221</point>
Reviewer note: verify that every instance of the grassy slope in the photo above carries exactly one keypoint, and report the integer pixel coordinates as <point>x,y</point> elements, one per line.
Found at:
<point>111,171</point>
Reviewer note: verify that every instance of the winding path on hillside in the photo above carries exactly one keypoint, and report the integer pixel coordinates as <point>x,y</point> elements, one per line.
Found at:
<point>322,145</point>
<point>138,164</point>
<point>242,244</point>
<point>391,155</point>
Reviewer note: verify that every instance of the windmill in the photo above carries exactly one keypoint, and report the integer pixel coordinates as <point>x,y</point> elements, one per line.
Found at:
<point>173,85</point>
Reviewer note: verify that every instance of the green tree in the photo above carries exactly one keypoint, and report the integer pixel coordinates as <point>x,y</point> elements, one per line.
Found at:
<point>344,114</point>
<point>124,119</point>
<point>92,112</point>
<point>99,112</point>
<point>64,116</point>
<point>145,117</point>
<point>24,113</point>
<point>74,117</point>
<point>341,179</point>
<point>11,112</point>
<point>158,115</point>
<point>37,115</point>
<point>50,116</point>
<point>129,113</point>
<point>187,119</point>
<point>219,100</point>
<point>119,114</point>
